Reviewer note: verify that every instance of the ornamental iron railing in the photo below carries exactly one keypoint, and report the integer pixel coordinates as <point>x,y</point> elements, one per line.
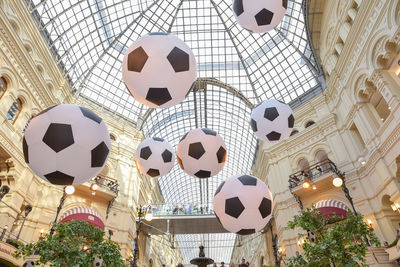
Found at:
<point>169,209</point>
<point>107,182</point>
<point>314,171</point>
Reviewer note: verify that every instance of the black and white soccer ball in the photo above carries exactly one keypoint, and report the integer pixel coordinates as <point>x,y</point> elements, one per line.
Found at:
<point>66,144</point>
<point>154,157</point>
<point>159,69</point>
<point>29,263</point>
<point>243,204</point>
<point>311,236</point>
<point>201,153</point>
<point>272,120</point>
<point>259,16</point>
<point>98,261</point>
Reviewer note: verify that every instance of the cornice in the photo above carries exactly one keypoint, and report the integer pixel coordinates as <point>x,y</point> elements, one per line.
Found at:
<point>32,31</point>
<point>10,147</point>
<point>303,139</point>
<point>351,51</point>
<point>381,151</point>
<point>22,63</point>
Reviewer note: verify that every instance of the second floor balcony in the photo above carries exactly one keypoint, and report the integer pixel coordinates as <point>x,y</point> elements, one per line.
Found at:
<point>323,174</point>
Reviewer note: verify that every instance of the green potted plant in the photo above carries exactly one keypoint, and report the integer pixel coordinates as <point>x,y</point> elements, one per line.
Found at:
<point>75,243</point>
<point>338,241</point>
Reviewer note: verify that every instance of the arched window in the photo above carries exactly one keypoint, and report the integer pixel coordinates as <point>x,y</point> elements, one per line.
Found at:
<point>14,110</point>
<point>380,105</point>
<point>112,137</point>
<point>303,165</point>
<point>308,124</point>
<point>26,125</point>
<point>294,132</point>
<point>3,86</point>
<point>322,157</point>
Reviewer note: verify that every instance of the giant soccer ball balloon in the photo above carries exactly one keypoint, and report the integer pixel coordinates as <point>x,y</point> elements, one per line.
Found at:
<point>29,263</point>
<point>243,204</point>
<point>154,157</point>
<point>66,144</point>
<point>259,16</point>
<point>159,69</point>
<point>201,153</point>
<point>272,120</point>
<point>98,261</point>
<point>311,236</point>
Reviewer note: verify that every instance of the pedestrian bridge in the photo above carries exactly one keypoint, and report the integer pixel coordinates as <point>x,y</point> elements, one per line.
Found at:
<point>182,219</point>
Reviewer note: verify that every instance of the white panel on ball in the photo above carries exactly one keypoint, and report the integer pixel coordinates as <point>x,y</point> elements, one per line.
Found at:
<point>154,157</point>
<point>201,153</point>
<point>98,261</point>
<point>272,120</point>
<point>243,204</point>
<point>159,69</point>
<point>259,16</point>
<point>66,144</point>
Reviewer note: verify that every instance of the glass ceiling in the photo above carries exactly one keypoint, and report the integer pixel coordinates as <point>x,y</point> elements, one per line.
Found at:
<point>236,70</point>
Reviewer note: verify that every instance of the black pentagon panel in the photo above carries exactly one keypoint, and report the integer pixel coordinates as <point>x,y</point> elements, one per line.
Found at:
<point>196,150</point>
<point>90,115</point>
<point>238,7</point>
<point>183,137</point>
<point>219,188</point>
<point>271,113</point>
<point>284,3</point>
<point>136,59</point>
<point>167,155</point>
<point>264,17</point>
<point>203,174</point>
<point>246,231</point>
<point>99,155</point>
<point>209,131</point>
<point>145,152</point>
<point>273,136</point>
<point>25,149</point>
<point>179,162</point>
<point>291,121</point>
<point>158,96</point>
<point>253,124</point>
<point>158,33</point>
<point>178,59</point>
<point>221,155</point>
<point>158,139</point>
<point>265,207</point>
<point>47,109</point>
<point>58,136</point>
<point>97,263</point>
<point>153,172</point>
<point>234,207</point>
<point>248,180</point>
<point>59,178</point>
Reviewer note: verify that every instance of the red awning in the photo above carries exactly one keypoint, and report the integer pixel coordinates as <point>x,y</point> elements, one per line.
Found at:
<point>83,214</point>
<point>329,208</point>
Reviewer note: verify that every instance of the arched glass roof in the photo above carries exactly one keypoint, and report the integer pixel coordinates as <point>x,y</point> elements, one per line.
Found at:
<point>236,69</point>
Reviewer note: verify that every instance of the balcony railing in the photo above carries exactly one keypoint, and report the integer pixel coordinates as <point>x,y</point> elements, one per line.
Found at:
<point>107,182</point>
<point>182,209</point>
<point>314,171</point>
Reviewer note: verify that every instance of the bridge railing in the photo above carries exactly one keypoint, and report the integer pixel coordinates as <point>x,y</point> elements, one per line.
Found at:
<point>169,209</point>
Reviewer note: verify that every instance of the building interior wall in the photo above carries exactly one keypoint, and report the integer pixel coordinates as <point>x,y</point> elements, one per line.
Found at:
<point>357,115</point>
